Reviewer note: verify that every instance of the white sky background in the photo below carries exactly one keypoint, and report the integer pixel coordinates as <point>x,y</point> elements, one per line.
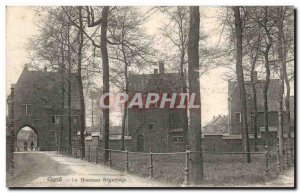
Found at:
<point>20,27</point>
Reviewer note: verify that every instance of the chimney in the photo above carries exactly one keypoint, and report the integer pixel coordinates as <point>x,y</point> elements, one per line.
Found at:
<point>26,66</point>
<point>155,71</point>
<point>161,67</point>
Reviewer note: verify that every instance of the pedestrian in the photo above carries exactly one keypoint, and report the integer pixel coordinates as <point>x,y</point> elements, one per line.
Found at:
<point>31,145</point>
<point>25,146</point>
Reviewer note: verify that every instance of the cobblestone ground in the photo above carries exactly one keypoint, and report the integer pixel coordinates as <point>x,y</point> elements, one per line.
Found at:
<point>49,169</point>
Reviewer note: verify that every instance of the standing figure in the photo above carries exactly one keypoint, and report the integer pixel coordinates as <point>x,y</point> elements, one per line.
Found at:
<point>25,146</point>
<point>31,145</point>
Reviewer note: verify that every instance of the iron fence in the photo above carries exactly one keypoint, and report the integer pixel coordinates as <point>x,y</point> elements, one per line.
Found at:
<point>147,162</point>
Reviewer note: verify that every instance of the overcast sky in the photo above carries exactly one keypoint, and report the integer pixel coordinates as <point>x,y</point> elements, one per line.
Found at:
<point>20,27</point>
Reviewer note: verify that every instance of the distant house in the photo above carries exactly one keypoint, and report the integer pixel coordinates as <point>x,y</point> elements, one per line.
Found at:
<point>38,104</point>
<point>234,107</point>
<point>217,126</point>
<point>162,129</point>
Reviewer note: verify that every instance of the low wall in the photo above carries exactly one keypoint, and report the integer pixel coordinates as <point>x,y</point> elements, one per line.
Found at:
<point>210,143</point>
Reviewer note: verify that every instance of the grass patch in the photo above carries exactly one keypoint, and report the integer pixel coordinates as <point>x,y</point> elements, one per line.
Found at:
<point>218,169</point>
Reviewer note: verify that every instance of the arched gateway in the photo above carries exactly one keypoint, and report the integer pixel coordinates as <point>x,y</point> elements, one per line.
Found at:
<point>39,101</point>
<point>27,135</point>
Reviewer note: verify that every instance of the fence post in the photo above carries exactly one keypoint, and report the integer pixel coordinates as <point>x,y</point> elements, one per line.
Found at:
<point>96,155</point>
<point>286,156</point>
<point>292,155</point>
<point>109,156</point>
<point>126,163</point>
<point>76,152</point>
<point>186,181</point>
<point>267,160</point>
<point>89,151</point>
<point>151,165</point>
<point>278,158</point>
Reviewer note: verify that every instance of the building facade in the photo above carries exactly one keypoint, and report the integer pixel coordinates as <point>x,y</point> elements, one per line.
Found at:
<point>234,107</point>
<point>161,129</point>
<point>41,103</point>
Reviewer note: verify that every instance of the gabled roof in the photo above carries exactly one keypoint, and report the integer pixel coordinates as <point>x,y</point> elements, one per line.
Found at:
<point>273,93</point>
<point>167,82</point>
<point>47,87</point>
<point>218,125</point>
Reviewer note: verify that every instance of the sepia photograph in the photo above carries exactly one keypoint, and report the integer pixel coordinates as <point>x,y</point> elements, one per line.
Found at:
<point>150,96</point>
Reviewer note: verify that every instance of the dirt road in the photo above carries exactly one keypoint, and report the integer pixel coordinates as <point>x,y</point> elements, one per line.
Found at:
<point>49,169</point>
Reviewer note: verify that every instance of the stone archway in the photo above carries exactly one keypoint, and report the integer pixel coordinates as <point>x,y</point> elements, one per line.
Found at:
<point>26,135</point>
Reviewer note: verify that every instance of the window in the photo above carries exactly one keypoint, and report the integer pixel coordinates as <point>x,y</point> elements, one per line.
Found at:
<point>162,139</point>
<point>26,109</point>
<point>74,119</point>
<point>151,126</point>
<point>238,117</point>
<point>56,119</point>
<point>178,139</point>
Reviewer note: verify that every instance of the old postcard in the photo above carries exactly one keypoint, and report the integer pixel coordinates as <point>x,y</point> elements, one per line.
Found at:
<point>160,96</point>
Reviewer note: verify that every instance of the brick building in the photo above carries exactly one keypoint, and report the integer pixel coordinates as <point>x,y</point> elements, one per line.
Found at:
<point>39,104</point>
<point>218,125</point>
<point>162,129</point>
<point>234,107</point>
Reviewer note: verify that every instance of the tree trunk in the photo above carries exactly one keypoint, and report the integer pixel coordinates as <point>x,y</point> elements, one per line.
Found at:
<point>254,92</point>
<point>240,79</point>
<point>253,85</point>
<point>266,86</point>
<point>194,87</point>
<point>69,89</point>
<point>125,105</point>
<point>184,90</point>
<point>265,94</point>
<point>105,68</point>
<point>285,76</point>
<point>280,101</point>
<point>80,85</point>
<point>62,72</point>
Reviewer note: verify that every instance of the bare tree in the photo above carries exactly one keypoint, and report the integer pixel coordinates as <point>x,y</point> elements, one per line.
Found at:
<point>44,53</point>
<point>177,32</point>
<point>282,49</point>
<point>283,18</point>
<point>266,25</point>
<point>252,39</point>
<point>128,47</point>
<point>194,87</point>
<point>91,22</point>
<point>240,79</point>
